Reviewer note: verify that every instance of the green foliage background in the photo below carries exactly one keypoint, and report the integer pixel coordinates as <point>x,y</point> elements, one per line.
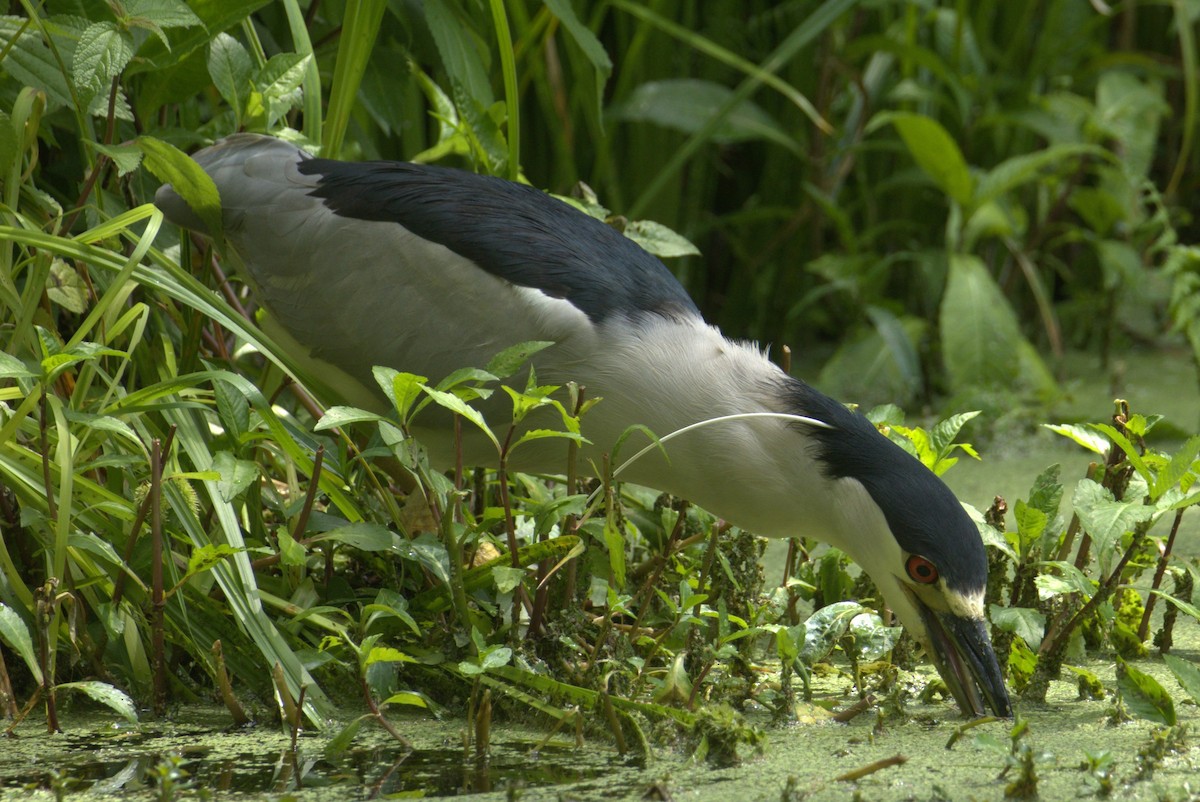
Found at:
<point>943,197</point>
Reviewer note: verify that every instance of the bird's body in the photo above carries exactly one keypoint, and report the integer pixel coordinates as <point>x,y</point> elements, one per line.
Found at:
<point>429,270</point>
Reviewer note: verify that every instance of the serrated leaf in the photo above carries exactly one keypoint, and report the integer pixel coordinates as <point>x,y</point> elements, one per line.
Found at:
<point>402,389</point>
<point>1144,696</point>
<point>106,695</point>
<point>1031,522</point>
<point>127,158</point>
<point>1047,491</point>
<point>233,408</point>
<point>14,632</point>
<point>1179,467</point>
<point>1070,580</point>
<point>386,654</point>
<point>103,52</point>
<point>1186,674</point>
<point>1106,519</point>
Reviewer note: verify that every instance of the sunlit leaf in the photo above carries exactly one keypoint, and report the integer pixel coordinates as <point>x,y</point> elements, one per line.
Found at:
<point>1186,673</point>
<point>16,635</point>
<point>106,695</point>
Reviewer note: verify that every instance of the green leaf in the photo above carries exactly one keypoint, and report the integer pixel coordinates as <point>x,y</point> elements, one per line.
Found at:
<point>934,151</point>
<point>1031,523</point>
<point>1107,519</point>
<point>172,166</point>
<point>691,104</point>
<point>456,405</point>
<point>1026,622</point>
<point>164,13</point>
<point>1025,167</point>
<point>614,540</point>
<point>402,389</point>
<point>13,368</point>
<point>14,632</point>
<point>339,416</point>
<point>230,68</point>
<point>103,52</point>
<point>507,578</point>
<point>659,240</point>
<point>1179,467</point>
<point>106,695</point>
<point>1186,674</point>
<point>410,698</point>
<point>1144,696</point>
<point>363,535</point>
<point>1082,436</point>
<point>341,742</point>
<point>588,43</point>
<point>431,554</point>
<point>980,334</point>
<point>457,44</point>
<point>127,158</point>
<point>386,654</point>
<point>511,359</point>
<point>236,475</point>
<point>209,555</point>
<point>1047,491</point>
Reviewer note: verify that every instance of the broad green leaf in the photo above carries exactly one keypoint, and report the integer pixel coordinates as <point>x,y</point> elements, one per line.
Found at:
<point>1031,523</point>
<point>659,240</point>
<point>339,416</point>
<point>430,552</point>
<point>236,474</point>
<point>14,632</point>
<point>459,407</point>
<point>1180,465</point>
<point>402,389</point>
<point>102,53</point>
<point>825,628</point>
<point>1186,674</point>
<point>935,152</point>
<point>230,68</point>
<point>1143,695</point>
<point>13,368</point>
<point>172,166</point>
<point>1026,622</point>
<point>458,46</point>
<point>1081,435</point>
<point>980,334</point>
<point>614,540</point>
<point>1025,167</point>
<point>164,13</point>
<point>386,654</point>
<point>1069,580</point>
<point>106,695</point>
<point>127,158</point>
<point>690,104</point>
<point>66,288</point>
<point>511,359</point>
<point>1106,519</point>
<point>1047,491</point>
<point>363,535</point>
<point>507,578</point>
<point>872,639</point>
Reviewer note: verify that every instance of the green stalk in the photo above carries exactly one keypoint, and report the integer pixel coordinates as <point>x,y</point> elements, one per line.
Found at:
<point>511,96</point>
<point>360,26</point>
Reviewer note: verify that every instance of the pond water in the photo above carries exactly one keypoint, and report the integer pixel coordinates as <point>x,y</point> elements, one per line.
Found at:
<point>209,759</point>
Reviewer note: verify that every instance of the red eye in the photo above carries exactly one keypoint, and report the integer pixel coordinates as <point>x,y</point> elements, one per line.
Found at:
<point>921,570</point>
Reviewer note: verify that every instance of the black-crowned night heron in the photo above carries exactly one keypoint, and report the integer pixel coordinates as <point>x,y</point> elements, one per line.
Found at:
<point>428,270</point>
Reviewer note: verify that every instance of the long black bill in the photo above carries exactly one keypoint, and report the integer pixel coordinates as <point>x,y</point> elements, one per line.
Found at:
<point>962,652</point>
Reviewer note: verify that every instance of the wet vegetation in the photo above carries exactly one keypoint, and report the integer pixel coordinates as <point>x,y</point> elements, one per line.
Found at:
<point>940,200</point>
